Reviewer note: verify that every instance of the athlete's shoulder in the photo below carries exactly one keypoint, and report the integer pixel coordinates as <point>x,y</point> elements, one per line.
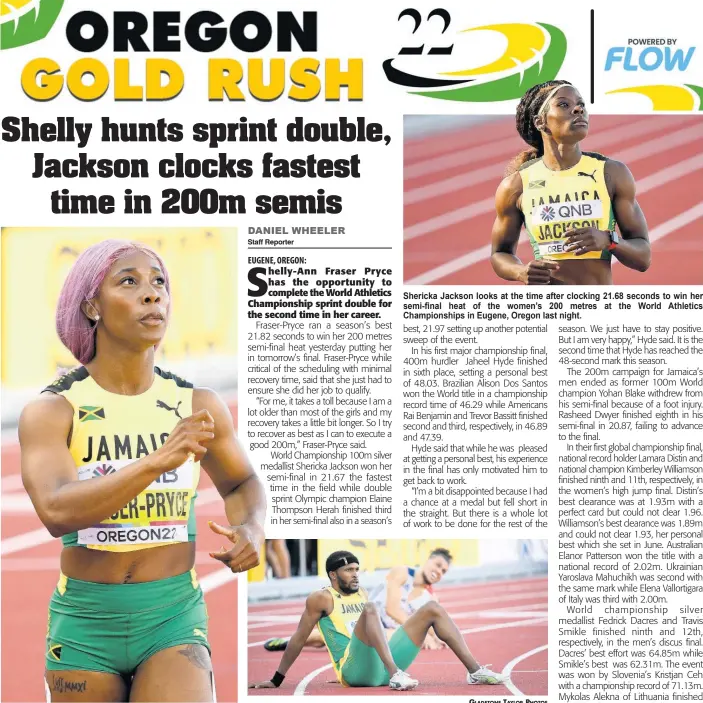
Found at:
<point>529,164</point>
<point>45,414</point>
<point>321,601</point>
<point>619,179</point>
<point>172,377</point>
<point>509,192</point>
<point>596,155</point>
<point>67,381</point>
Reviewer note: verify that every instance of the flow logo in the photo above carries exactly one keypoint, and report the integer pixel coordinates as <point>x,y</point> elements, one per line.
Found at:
<point>26,21</point>
<point>653,58</point>
<point>682,98</point>
<point>534,53</point>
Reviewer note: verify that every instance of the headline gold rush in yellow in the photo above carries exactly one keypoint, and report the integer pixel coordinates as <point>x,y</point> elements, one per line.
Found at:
<point>228,79</point>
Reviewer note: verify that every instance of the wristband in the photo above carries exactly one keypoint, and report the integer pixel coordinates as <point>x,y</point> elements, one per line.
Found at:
<point>614,240</point>
<point>277,679</point>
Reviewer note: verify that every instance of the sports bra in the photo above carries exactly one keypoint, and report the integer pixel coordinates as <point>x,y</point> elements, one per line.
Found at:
<point>111,431</point>
<point>553,202</point>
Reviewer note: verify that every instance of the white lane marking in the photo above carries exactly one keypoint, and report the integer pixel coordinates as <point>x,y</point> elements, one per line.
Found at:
<point>494,171</point>
<point>26,540</point>
<point>300,688</point>
<point>469,631</point>
<point>512,613</point>
<point>681,220</point>
<point>473,257</point>
<point>508,669</point>
<point>482,207</point>
<point>504,625</point>
<point>216,579</point>
<point>13,482</point>
<point>613,135</point>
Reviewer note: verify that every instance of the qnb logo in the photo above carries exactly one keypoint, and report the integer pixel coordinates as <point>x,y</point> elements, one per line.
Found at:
<point>26,21</point>
<point>680,98</point>
<point>548,213</point>
<point>531,54</point>
<point>569,211</point>
<point>652,58</point>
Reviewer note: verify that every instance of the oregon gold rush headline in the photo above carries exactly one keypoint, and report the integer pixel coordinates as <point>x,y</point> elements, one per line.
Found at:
<point>228,78</point>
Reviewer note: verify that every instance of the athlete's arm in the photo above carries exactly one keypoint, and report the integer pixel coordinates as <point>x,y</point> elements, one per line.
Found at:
<point>506,235</point>
<point>633,250</point>
<point>318,605</point>
<point>237,483</point>
<point>395,579</point>
<point>49,474</point>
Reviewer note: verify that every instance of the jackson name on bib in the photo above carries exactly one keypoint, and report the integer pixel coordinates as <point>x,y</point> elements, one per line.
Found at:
<point>554,202</point>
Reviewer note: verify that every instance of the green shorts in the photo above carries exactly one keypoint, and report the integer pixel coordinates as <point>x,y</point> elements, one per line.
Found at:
<point>361,665</point>
<point>115,627</point>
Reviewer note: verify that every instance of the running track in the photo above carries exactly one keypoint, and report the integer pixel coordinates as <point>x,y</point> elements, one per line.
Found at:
<point>450,181</point>
<point>504,623</point>
<point>30,569</point>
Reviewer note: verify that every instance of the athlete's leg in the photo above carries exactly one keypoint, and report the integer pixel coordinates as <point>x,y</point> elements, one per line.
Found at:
<point>280,550</point>
<point>370,631</point>
<point>434,615</point>
<point>181,673</point>
<point>76,685</point>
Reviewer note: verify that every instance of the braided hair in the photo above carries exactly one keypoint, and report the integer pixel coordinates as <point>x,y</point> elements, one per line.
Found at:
<point>528,108</point>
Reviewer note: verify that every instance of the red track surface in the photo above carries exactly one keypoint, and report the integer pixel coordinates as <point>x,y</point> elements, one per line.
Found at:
<point>29,577</point>
<point>448,172</point>
<point>502,622</point>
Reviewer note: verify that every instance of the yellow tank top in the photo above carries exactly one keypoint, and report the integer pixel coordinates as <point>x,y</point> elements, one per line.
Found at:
<point>111,431</point>
<point>337,627</point>
<point>553,202</point>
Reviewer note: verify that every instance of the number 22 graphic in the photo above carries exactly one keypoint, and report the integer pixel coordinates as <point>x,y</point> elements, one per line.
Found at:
<point>417,17</point>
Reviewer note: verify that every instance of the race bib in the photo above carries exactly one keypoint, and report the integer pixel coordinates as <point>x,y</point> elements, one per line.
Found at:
<point>158,514</point>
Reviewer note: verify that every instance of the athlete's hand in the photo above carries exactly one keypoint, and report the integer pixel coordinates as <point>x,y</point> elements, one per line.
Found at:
<point>244,555</point>
<point>538,272</point>
<point>186,438</point>
<point>262,684</point>
<point>581,240</point>
<point>432,642</point>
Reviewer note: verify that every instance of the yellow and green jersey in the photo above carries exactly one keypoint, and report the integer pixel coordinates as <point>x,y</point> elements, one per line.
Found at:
<point>111,431</point>
<point>337,627</point>
<point>553,202</point>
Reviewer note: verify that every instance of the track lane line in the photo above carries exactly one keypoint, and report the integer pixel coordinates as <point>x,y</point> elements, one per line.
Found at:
<point>507,670</point>
<point>481,175</point>
<point>484,252</point>
<point>498,146</point>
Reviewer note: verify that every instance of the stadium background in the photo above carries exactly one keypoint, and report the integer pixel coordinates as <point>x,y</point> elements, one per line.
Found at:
<point>201,345</point>
<point>495,590</point>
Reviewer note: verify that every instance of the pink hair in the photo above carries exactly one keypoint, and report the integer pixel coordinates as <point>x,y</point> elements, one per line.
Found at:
<point>75,329</point>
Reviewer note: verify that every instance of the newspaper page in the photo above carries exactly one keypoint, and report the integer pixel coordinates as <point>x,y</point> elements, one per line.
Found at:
<point>351,349</point>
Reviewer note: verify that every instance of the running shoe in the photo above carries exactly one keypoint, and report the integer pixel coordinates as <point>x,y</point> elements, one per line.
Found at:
<point>402,682</point>
<point>485,676</point>
<point>276,644</point>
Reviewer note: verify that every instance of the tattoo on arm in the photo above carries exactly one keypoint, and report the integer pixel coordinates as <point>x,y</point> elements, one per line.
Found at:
<point>197,655</point>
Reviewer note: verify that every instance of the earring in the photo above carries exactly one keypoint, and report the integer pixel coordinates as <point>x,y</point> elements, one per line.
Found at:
<point>97,317</point>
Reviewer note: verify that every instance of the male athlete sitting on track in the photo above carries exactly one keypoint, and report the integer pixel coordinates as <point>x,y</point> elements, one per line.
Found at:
<point>351,627</point>
<point>404,590</point>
